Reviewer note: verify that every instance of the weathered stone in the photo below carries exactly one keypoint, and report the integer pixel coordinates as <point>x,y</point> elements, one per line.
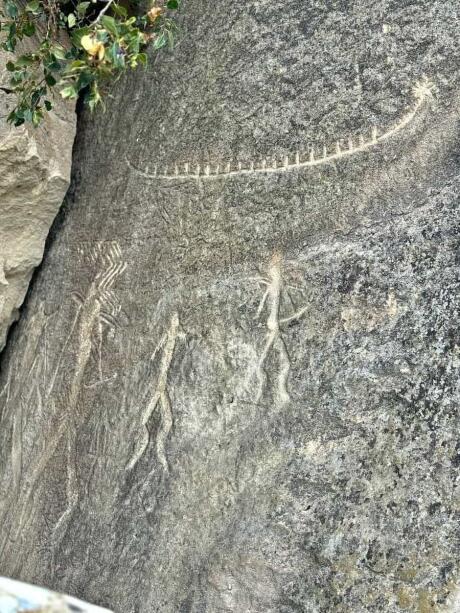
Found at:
<point>34,176</point>
<point>240,392</point>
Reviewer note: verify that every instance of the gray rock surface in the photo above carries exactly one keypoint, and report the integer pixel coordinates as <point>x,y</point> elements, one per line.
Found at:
<point>239,392</point>
<point>35,168</point>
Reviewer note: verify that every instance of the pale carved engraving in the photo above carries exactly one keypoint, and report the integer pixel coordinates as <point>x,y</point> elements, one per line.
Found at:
<point>71,491</point>
<point>107,257</point>
<point>275,342</point>
<point>16,397</point>
<point>315,155</point>
<point>3,279</point>
<point>96,305</point>
<point>160,398</point>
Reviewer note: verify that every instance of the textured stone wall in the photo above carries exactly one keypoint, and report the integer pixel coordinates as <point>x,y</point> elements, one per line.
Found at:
<point>235,384</point>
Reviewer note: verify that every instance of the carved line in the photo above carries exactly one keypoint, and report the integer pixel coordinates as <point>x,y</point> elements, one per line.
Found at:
<point>112,266</point>
<point>422,92</point>
<point>108,257</point>
<point>71,492</point>
<point>160,398</point>
<point>16,447</point>
<point>88,313</point>
<point>274,338</point>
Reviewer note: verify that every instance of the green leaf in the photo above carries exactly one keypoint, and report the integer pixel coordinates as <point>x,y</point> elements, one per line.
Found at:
<point>11,10</point>
<point>28,28</point>
<point>71,54</point>
<point>71,20</point>
<point>52,64</point>
<point>94,97</point>
<point>133,42</point>
<point>33,6</point>
<point>102,36</point>
<point>119,10</point>
<point>109,24</point>
<point>48,105</point>
<point>77,35</point>
<point>10,66</point>
<point>142,58</point>
<point>84,80</point>
<point>82,8</point>
<point>160,41</point>
<point>25,60</point>
<point>77,64</point>
<point>50,80</point>
<point>45,45</point>
<point>172,4</point>
<point>15,117</point>
<point>114,54</point>
<point>18,77</point>
<point>35,98</point>
<point>58,52</point>
<point>69,92</point>
<point>37,116</point>
<point>9,46</point>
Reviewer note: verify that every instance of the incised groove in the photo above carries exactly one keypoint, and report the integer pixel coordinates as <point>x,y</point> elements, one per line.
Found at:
<point>314,156</point>
<point>160,399</point>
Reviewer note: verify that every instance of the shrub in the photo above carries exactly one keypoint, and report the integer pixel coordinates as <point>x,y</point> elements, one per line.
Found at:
<point>105,38</point>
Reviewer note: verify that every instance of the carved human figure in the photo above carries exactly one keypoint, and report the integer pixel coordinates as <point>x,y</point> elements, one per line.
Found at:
<point>274,339</point>
<point>160,398</point>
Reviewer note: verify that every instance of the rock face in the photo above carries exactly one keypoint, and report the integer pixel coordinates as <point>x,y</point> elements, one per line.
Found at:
<point>235,385</point>
<point>34,176</point>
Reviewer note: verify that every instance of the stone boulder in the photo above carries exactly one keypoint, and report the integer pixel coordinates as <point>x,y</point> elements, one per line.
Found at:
<point>34,176</point>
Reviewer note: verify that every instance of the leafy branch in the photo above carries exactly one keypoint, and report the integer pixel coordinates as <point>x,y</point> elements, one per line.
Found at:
<point>104,41</point>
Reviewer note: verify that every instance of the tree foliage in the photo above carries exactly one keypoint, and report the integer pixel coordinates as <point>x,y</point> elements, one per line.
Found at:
<point>104,38</point>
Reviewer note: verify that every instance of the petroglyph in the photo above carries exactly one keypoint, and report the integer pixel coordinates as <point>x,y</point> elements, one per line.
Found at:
<point>423,92</point>
<point>99,306</point>
<point>71,492</point>
<point>108,258</point>
<point>91,309</point>
<point>275,342</point>
<point>3,279</point>
<point>6,388</point>
<point>16,446</point>
<point>160,398</point>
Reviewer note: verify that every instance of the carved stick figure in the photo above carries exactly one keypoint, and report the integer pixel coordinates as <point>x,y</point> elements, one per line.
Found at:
<point>274,338</point>
<point>160,398</point>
